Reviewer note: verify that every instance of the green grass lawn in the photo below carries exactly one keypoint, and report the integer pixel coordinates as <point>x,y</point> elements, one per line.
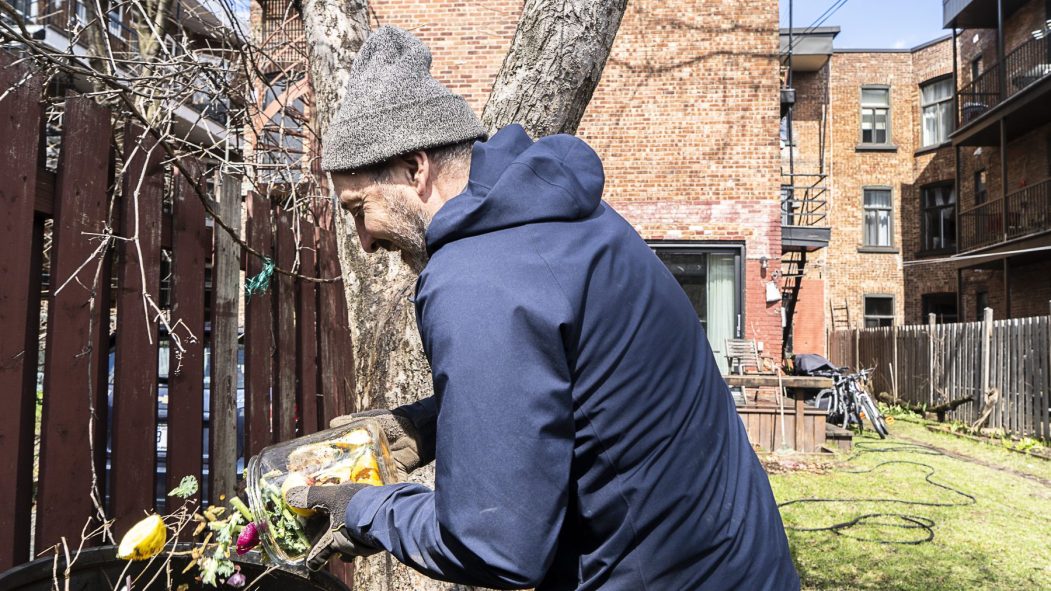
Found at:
<point>999,541</point>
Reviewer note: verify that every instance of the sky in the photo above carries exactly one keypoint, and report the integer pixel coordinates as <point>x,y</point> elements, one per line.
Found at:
<point>872,24</point>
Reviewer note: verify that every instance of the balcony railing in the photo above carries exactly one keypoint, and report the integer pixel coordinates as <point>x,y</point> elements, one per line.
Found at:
<point>1026,65</point>
<point>982,225</point>
<point>1028,211</point>
<point>804,206</point>
<point>982,94</point>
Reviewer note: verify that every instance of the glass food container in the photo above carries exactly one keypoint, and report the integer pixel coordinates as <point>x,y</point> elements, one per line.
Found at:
<point>355,452</point>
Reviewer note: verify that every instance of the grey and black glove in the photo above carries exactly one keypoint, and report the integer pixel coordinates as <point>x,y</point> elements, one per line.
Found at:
<point>403,439</point>
<point>333,538</point>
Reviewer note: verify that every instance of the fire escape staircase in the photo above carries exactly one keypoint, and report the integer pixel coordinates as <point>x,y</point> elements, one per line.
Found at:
<point>804,210</point>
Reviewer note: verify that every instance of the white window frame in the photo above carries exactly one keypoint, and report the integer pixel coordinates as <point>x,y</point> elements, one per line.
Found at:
<point>30,11</point>
<point>938,111</point>
<point>115,28</point>
<point>877,210</point>
<point>875,108</point>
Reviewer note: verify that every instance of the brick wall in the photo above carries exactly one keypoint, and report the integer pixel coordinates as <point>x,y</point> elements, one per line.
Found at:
<point>808,328</point>
<point>685,117</point>
<point>1028,162</point>
<point>1030,287</point>
<point>930,167</point>
<point>854,270</point>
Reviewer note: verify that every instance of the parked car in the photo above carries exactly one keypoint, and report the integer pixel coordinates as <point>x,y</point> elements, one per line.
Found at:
<point>161,486</point>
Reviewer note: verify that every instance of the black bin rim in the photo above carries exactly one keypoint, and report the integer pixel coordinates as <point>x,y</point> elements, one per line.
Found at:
<point>30,575</point>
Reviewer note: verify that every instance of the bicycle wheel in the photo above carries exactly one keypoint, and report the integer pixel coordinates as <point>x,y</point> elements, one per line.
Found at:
<point>875,417</point>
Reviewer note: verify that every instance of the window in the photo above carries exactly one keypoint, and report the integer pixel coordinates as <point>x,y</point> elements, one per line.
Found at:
<point>939,217</point>
<point>976,67</point>
<point>788,205</point>
<point>942,305</point>
<point>936,104</point>
<point>981,189</point>
<point>879,311</point>
<point>877,217</point>
<point>875,115</point>
<point>981,300</point>
<point>281,145</point>
<point>82,11</point>
<point>27,8</point>
<point>116,20</point>
<point>785,140</point>
<point>711,278</point>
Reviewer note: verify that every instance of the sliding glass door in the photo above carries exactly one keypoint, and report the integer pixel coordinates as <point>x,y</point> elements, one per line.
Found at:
<point>711,278</point>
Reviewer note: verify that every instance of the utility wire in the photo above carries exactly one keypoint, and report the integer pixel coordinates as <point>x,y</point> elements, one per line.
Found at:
<point>820,20</point>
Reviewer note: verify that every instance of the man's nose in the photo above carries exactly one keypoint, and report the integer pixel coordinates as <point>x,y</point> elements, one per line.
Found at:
<point>368,242</point>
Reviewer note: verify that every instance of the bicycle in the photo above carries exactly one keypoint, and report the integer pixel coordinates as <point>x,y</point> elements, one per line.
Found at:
<point>849,402</point>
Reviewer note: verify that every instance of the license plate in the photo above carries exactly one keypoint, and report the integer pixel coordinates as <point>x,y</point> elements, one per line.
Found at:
<point>162,437</point>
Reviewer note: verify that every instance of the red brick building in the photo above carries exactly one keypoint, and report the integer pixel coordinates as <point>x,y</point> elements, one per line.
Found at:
<point>863,218</point>
<point>909,149</point>
<point>684,121</point>
<point>1003,146</point>
<point>875,124</point>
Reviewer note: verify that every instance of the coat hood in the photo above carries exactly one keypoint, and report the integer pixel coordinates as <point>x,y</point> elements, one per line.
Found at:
<point>516,181</point>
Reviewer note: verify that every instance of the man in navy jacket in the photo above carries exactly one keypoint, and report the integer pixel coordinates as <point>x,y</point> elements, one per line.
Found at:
<point>582,434</point>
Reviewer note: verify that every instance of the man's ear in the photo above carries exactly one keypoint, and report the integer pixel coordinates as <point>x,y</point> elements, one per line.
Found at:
<point>420,168</point>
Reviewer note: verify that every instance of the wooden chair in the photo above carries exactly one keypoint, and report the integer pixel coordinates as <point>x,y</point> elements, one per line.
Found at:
<point>742,356</point>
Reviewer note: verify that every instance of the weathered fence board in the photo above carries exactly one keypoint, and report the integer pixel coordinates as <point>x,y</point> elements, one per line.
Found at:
<point>191,250</point>
<point>306,333</point>
<point>226,290</point>
<point>135,366</point>
<point>81,344</point>
<point>961,361</point>
<point>71,365</point>
<point>259,330</point>
<point>285,331</point>
<point>20,116</point>
<point>336,357</point>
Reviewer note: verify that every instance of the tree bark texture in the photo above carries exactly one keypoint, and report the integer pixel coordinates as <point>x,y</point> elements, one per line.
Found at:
<point>544,84</point>
<point>553,66</point>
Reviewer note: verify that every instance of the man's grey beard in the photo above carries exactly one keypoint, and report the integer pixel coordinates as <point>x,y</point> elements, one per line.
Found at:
<point>408,230</point>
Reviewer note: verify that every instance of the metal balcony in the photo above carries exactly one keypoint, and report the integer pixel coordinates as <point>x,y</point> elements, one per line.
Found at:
<point>804,217</point>
<point>1027,72</point>
<point>975,14</point>
<point>1026,211</point>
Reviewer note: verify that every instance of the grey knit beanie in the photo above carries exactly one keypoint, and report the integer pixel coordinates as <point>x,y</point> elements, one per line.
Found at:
<point>393,106</point>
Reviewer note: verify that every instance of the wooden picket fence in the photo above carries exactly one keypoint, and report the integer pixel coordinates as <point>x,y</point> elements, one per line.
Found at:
<point>297,368</point>
<point>936,363</point>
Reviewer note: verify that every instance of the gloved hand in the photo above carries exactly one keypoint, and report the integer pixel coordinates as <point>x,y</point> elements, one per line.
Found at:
<point>403,439</point>
<point>334,539</point>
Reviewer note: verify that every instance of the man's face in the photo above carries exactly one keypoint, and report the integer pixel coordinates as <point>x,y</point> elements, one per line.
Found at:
<point>388,214</point>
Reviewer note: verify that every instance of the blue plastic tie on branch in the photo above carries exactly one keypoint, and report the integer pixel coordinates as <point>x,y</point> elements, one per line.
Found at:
<point>261,282</point>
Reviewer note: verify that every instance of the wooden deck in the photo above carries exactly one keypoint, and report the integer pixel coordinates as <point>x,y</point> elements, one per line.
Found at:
<point>803,425</point>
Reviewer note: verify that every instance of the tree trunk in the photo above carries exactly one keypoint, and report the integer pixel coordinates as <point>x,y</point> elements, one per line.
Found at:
<point>571,41</point>
<point>554,65</point>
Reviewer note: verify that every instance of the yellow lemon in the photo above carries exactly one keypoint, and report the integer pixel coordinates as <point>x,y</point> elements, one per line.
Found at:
<point>295,479</point>
<point>366,470</point>
<point>144,540</point>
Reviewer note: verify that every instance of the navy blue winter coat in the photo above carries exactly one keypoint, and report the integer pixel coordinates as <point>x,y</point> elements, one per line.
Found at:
<point>585,439</point>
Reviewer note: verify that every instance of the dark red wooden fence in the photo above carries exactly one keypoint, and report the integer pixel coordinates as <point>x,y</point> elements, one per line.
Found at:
<point>297,367</point>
